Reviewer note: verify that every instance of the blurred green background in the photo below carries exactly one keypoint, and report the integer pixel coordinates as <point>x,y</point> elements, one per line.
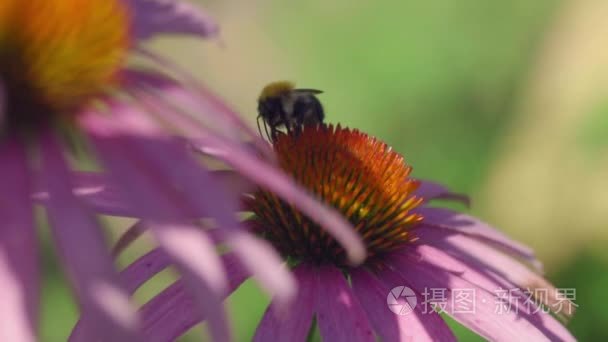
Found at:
<point>504,100</point>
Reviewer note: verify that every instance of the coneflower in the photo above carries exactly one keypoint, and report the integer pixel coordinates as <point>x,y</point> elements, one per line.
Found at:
<point>409,244</point>
<point>64,78</point>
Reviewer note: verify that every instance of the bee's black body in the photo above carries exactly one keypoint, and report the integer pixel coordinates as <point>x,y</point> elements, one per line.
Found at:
<point>280,105</point>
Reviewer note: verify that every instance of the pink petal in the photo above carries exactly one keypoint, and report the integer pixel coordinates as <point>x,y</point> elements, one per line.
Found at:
<point>144,268</point>
<point>197,259</point>
<point>138,163</point>
<point>271,275</point>
<point>159,202</point>
<point>153,17</point>
<point>487,259</point>
<point>170,314</point>
<point>339,315</point>
<point>415,326</point>
<point>98,191</point>
<point>431,191</point>
<point>217,235</point>
<point>185,105</point>
<point>174,311</point>
<point>266,265</point>
<point>146,146</point>
<point>200,190</point>
<point>451,220</point>
<point>18,248</point>
<point>134,276</point>
<point>202,194</point>
<point>104,196</point>
<point>258,255</point>
<point>150,200</point>
<point>426,267</point>
<point>81,245</point>
<point>128,237</point>
<point>275,180</point>
<point>281,323</point>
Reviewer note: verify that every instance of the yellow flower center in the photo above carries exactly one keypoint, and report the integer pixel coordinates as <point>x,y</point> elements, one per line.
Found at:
<point>57,54</point>
<point>354,173</point>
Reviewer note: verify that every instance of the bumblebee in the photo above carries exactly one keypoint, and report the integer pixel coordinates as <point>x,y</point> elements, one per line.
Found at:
<point>282,105</point>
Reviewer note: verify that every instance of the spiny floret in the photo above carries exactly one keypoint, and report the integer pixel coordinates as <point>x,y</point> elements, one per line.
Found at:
<point>358,175</point>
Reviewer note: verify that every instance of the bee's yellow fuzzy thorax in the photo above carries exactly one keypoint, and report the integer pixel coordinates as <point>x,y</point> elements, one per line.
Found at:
<point>276,88</point>
<point>62,51</point>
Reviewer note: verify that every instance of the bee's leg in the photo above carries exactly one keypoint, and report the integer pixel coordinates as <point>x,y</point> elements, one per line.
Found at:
<point>318,112</point>
<point>266,130</point>
<point>299,125</point>
<point>273,134</point>
<point>260,128</point>
<point>285,120</point>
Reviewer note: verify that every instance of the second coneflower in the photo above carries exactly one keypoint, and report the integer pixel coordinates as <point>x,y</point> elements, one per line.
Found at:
<point>413,250</point>
<point>68,74</point>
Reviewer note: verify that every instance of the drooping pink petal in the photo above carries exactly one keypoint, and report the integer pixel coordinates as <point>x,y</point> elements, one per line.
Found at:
<point>426,267</point>
<point>144,268</point>
<point>154,17</point>
<point>132,277</point>
<point>80,244</point>
<point>389,326</point>
<point>488,260</point>
<point>203,274</point>
<point>276,181</point>
<point>170,313</point>
<point>197,257</point>
<point>431,191</point>
<point>216,203</point>
<point>217,235</point>
<point>151,195</point>
<point>473,271</point>
<point>18,248</point>
<point>199,108</point>
<point>339,315</point>
<point>160,202</point>
<point>97,190</point>
<point>174,311</point>
<point>293,323</point>
<point>103,196</point>
<point>205,194</point>
<point>138,184</point>
<point>441,218</point>
<point>128,237</point>
<point>189,186</point>
<point>200,191</point>
<point>267,267</point>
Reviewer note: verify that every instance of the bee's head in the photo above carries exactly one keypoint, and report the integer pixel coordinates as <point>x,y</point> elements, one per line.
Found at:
<point>276,89</point>
<point>270,102</point>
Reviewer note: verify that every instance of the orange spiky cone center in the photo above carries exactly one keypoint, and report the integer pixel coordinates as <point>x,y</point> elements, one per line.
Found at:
<point>356,174</point>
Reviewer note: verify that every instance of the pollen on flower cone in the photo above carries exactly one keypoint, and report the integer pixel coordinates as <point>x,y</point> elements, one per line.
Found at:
<point>62,51</point>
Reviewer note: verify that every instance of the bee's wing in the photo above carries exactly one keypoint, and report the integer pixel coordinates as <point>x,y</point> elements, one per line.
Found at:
<point>308,91</point>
